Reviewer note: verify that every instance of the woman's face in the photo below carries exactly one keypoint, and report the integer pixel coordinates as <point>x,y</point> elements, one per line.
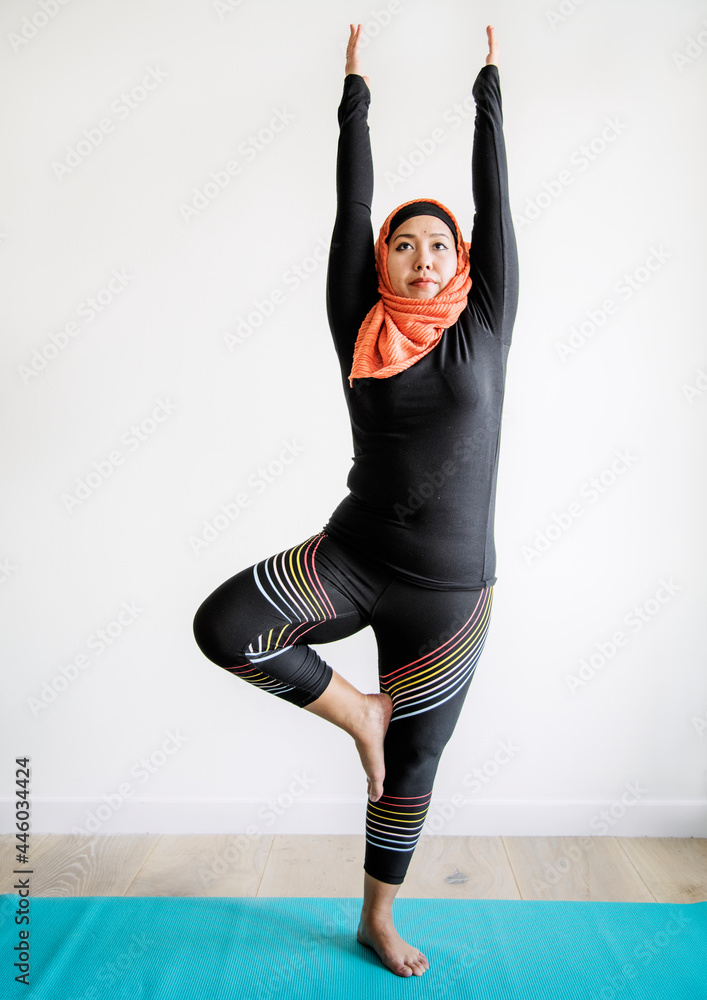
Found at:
<point>422,247</point>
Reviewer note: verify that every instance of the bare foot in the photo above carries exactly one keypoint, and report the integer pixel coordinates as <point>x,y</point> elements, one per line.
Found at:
<point>369,741</point>
<point>397,955</point>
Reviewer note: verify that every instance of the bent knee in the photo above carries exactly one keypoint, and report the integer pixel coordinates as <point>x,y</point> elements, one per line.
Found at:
<point>202,627</point>
<point>213,635</point>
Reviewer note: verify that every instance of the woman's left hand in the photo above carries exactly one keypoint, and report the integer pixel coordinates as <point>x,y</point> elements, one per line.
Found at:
<point>492,57</point>
<point>353,60</point>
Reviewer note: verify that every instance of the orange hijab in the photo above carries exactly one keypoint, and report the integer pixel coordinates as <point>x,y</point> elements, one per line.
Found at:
<point>397,331</point>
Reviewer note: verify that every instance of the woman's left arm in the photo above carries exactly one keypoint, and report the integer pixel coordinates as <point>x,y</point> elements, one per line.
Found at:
<point>493,253</point>
<point>352,278</point>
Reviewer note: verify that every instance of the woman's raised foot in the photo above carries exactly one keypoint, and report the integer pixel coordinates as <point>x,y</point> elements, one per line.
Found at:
<point>369,738</point>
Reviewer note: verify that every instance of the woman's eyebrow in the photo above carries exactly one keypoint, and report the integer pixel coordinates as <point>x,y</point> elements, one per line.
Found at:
<point>412,235</point>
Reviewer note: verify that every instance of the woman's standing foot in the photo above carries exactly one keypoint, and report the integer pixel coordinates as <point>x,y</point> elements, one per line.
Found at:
<point>376,930</point>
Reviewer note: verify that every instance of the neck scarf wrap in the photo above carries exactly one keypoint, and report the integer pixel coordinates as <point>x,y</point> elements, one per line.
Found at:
<point>399,330</point>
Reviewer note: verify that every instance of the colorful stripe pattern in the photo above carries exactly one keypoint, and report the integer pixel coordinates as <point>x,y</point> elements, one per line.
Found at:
<point>395,822</point>
<point>289,581</point>
<point>432,679</point>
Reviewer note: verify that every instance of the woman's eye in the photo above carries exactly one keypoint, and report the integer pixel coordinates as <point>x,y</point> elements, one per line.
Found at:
<point>404,244</point>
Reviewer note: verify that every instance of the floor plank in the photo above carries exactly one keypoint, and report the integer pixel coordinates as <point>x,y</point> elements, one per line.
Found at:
<point>675,870</point>
<point>460,868</point>
<point>69,865</point>
<point>579,868</point>
<point>302,865</point>
<point>625,869</point>
<point>8,858</point>
<point>203,865</point>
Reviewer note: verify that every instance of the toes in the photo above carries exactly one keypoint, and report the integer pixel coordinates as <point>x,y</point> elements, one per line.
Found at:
<point>419,965</point>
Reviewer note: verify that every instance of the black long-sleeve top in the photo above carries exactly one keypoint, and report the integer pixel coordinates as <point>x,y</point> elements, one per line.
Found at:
<point>422,488</point>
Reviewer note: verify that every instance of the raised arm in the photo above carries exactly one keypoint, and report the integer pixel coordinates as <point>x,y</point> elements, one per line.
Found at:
<point>352,279</point>
<point>493,253</point>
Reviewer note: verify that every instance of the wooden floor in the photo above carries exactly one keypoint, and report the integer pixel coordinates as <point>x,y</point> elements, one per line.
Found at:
<point>612,869</point>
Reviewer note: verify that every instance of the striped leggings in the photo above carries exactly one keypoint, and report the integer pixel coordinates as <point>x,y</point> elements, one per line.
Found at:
<point>257,625</point>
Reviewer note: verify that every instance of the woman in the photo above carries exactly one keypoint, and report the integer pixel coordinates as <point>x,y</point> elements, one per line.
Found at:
<point>422,324</point>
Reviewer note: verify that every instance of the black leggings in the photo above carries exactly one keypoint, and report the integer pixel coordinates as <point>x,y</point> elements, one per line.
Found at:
<point>258,623</point>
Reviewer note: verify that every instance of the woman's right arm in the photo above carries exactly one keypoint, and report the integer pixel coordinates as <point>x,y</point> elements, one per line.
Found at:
<point>493,254</point>
<point>352,279</point>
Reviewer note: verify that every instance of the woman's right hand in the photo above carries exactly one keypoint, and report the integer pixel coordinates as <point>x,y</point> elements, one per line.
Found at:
<point>494,48</point>
<point>353,62</point>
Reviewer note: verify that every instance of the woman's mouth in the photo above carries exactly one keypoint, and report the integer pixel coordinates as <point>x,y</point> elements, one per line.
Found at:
<point>421,282</point>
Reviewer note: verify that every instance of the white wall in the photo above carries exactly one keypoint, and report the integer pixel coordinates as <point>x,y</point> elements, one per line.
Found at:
<point>629,737</point>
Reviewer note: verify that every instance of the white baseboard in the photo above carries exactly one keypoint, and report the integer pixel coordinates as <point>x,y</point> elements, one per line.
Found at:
<point>626,817</point>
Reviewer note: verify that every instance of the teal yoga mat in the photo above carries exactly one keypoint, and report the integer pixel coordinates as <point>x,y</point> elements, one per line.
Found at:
<point>157,948</point>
